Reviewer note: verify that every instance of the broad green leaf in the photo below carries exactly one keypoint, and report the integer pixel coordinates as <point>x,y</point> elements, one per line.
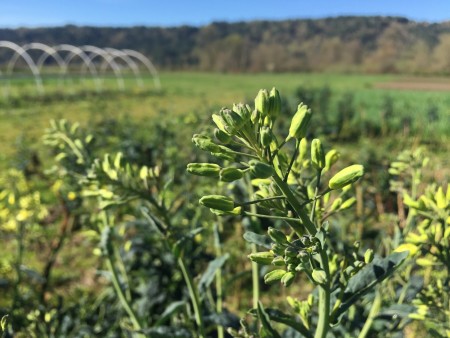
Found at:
<point>366,279</point>
<point>257,239</point>
<point>267,330</point>
<point>173,308</point>
<point>280,317</point>
<point>208,275</point>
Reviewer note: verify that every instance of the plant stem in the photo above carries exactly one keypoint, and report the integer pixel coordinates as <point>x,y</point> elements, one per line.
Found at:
<point>255,270</point>
<point>263,200</point>
<point>313,209</point>
<point>123,300</point>
<point>194,297</point>
<point>110,258</point>
<point>323,323</point>
<point>373,312</point>
<point>219,289</point>
<point>298,208</point>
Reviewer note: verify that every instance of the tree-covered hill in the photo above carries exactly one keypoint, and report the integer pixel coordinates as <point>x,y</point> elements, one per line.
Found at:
<point>343,44</point>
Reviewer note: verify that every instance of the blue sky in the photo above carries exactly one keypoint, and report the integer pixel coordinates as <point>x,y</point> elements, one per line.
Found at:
<point>33,13</point>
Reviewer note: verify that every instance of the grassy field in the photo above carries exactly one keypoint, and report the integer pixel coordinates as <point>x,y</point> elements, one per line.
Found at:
<point>24,113</point>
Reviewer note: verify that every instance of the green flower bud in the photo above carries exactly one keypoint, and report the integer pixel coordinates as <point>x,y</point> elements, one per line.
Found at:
<point>233,122</point>
<point>204,169</point>
<point>348,203</point>
<point>222,136</point>
<point>220,122</point>
<point>346,176</point>
<point>336,204</point>
<point>218,202</point>
<point>317,154</point>
<point>274,103</point>
<point>302,150</point>
<point>274,276</point>
<point>235,211</point>
<point>300,122</point>
<point>278,249</point>
<point>359,264</point>
<point>266,136</point>
<point>278,261</point>
<point>277,236</point>
<point>260,169</point>
<point>319,276</point>
<point>331,158</point>
<point>262,102</point>
<point>290,252</point>
<point>205,143</point>
<point>230,174</point>
<point>288,278</point>
<point>263,258</point>
<point>243,111</point>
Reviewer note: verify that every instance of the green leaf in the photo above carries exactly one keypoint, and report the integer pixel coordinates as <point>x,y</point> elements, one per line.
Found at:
<point>280,317</point>
<point>366,279</point>
<point>208,276</point>
<point>267,330</point>
<point>257,239</point>
<point>173,308</point>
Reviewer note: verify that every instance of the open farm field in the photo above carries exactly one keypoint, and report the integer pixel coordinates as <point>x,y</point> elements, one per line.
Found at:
<point>419,103</point>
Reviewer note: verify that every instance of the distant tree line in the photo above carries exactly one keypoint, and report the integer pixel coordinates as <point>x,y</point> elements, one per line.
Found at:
<point>341,44</point>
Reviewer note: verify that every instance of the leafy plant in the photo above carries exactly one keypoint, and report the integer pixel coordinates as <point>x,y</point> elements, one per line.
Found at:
<point>290,189</point>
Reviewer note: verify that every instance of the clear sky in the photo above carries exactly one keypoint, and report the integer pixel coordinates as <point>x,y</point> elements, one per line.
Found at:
<point>33,13</point>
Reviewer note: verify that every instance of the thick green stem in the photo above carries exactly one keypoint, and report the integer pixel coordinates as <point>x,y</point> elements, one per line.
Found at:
<point>255,270</point>
<point>293,201</point>
<point>313,208</point>
<point>194,297</point>
<point>219,288</point>
<point>373,312</point>
<point>323,323</point>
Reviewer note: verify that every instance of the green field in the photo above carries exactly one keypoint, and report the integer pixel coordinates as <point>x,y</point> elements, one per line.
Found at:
<point>26,113</point>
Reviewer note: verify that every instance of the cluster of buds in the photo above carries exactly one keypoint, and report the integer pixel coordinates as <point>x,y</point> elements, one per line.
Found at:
<point>294,256</point>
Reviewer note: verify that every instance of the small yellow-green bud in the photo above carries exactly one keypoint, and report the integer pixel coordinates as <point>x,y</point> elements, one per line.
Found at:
<point>368,256</point>
<point>230,174</point>
<point>319,276</point>
<point>348,203</point>
<point>278,261</point>
<point>235,211</point>
<point>243,111</point>
<point>204,169</point>
<point>233,122</point>
<point>274,276</point>
<point>263,258</point>
<point>290,252</point>
<point>317,154</point>
<point>274,103</point>
<point>288,278</point>
<point>222,136</point>
<point>346,176</point>
<point>331,158</point>
<point>302,150</point>
<point>220,122</point>
<point>336,204</point>
<point>262,102</point>
<point>205,143</point>
<point>277,236</point>
<point>266,136</point>
<point>260,169</point>
<point>300,122</point>
<point>218,202</point>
